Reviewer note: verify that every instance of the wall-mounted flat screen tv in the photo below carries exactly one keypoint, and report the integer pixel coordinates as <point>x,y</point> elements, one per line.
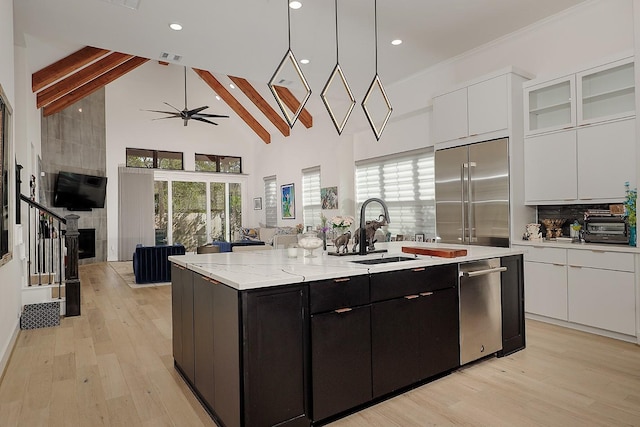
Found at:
<point>76,191</point>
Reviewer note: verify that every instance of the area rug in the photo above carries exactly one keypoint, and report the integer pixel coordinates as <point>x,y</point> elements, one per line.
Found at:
<point>124,269</point>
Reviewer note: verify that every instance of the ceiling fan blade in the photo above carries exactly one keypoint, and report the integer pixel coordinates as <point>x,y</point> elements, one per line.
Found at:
<point>212,115</point>
<point>172,107</point>
<point>197,110</point>
<point>200,119</point>
<point>162,112</point>
<point>170,117</point>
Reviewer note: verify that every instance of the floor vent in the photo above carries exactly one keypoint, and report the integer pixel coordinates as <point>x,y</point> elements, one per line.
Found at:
<point>41,315</point>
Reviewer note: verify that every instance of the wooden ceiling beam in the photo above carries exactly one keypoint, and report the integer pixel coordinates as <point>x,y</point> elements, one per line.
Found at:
<point>97,83</point>
<point>262,104</point>
<point>293,104</point>
<point>61,68</point>
<point>75,80</point>
<point>234,104</point>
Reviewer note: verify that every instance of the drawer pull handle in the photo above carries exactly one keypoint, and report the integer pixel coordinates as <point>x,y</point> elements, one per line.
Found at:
<point>344,279</point>
<point>597,251</point>
<point>210,280</point>
<point>180,267</point>
<point>412,296</point>
<point>426,294</point>
<point>419,269</point>
<point>343,310</point>
<point>575,266</point>
<point>558,265</point>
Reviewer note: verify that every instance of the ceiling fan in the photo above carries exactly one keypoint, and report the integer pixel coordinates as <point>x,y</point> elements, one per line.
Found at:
<point>187,114</point>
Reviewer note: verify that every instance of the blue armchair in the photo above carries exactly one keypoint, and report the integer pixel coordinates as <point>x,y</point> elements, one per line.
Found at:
<point>151,263</point>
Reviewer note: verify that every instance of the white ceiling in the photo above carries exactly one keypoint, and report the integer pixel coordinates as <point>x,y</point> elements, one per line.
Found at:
<point>248,38</point>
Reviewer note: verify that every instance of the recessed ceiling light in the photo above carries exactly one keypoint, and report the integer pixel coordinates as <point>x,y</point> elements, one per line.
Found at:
<point>231,86</point>
<point>218,97</point>
<point>175,26</point>
<point>396,42</point>
<point>295,4</point>
<point>79,110</point>
<point>304,61</point>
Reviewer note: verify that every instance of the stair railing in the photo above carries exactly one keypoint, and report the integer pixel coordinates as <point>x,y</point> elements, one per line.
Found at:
<point>46,255</point>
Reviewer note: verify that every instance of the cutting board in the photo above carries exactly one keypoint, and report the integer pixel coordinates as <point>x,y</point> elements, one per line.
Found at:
<point>441,252</point>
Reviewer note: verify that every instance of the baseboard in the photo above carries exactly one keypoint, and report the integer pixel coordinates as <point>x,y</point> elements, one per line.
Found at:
<point>8,351</point>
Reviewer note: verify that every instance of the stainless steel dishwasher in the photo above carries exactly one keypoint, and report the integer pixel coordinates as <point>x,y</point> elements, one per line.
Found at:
<point>480,309</point>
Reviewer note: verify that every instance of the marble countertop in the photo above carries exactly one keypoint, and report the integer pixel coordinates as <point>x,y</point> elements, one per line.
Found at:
<point>611,247</point>
<point>262,269</point>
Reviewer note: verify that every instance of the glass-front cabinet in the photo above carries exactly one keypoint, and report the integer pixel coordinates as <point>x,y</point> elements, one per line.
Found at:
<point>550,105</point>
<point>606,92</point>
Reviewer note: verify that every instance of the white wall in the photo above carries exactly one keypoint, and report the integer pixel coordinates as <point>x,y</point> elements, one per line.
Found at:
<point>10,273</point>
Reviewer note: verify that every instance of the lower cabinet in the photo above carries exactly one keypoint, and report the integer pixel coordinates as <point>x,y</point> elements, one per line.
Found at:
<point>512,298</point>
<point>341,360</point>
<point>590,287</point>
<point>182,319</point>
<point>275,356</point>
<point>244,353</point>
<point>416,335</point>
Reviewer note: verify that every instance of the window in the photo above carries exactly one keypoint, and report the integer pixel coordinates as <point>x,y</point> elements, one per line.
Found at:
<point>5,159</point>
<point>311,204</point>
<point>156,159</point>
<point>215,163</point>
<point>195,209</point>
<point>406,183</point>
<point>270,201</point>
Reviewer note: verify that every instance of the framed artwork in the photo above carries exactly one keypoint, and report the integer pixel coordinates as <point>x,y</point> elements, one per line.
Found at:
<point>329,197</point>
<point>420,237</point>
<point>288,201</point>
<point>257,203</point>
<point>400,238</point>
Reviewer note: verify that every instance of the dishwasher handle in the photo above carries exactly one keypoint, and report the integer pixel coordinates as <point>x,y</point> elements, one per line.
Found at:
<point>482,272</point>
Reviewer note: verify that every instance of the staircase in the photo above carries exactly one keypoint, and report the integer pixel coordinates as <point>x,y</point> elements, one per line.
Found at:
<point>52,287</point>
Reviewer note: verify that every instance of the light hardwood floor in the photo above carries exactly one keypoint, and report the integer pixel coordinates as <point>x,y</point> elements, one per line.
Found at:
<point>112,366</point>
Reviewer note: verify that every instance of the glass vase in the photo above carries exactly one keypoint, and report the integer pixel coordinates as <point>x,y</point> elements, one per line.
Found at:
<point>632,235</point>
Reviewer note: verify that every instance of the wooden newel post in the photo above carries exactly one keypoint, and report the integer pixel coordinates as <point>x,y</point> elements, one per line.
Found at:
<point>72,281</point>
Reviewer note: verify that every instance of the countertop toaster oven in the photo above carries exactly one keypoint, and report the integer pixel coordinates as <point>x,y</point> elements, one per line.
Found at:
<point>606,229</point>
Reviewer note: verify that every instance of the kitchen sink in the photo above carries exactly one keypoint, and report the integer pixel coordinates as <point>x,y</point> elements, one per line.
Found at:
<point>384,260</point>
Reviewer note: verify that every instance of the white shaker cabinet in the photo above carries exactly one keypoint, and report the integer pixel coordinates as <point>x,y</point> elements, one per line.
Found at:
<point>602,290</point>
<point>606,160</point>
<point>473,110</point>
<point>550,168</point>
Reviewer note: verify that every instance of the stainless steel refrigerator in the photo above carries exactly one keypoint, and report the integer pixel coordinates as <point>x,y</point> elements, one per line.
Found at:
<point>472,194</point>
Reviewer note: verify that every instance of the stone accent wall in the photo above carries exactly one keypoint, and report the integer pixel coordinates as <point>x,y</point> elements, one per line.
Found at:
<point>75,141</point>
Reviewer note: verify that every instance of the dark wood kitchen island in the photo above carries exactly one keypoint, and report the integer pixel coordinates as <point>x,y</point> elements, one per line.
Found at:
<point>267,340</point>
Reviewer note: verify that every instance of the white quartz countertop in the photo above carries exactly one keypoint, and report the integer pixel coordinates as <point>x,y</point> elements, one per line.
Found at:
<point>599,247</point>
<point>262,269</point>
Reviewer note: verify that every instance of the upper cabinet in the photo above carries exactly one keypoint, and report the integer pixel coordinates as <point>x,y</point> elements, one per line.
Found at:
<point>550,105</point>
<point>591,96</point>
<point>580,135</point>
<point>476,109</point>
<point>606,92</point>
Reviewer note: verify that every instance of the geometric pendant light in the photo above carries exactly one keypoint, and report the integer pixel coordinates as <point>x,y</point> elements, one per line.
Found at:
<point>337,95</point>
<point>376,104</point>
<point>289,83</point>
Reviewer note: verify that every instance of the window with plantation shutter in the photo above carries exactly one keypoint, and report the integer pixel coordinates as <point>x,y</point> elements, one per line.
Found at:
<point>270,201</point>
<point>406,183</point>
<point>311,204</point>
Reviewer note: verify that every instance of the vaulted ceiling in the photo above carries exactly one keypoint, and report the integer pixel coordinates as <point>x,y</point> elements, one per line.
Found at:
<point>63,83</point>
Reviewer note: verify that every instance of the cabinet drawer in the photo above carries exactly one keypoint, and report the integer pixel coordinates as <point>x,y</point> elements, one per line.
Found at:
<point>601,259</point>
<point>548,255</point>
<point>327,295</point>
<point>395,284</point>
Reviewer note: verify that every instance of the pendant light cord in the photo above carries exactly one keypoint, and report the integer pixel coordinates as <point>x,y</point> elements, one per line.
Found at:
<point>337,51</point>
<point>289,23</point>
<point>375,20</point>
